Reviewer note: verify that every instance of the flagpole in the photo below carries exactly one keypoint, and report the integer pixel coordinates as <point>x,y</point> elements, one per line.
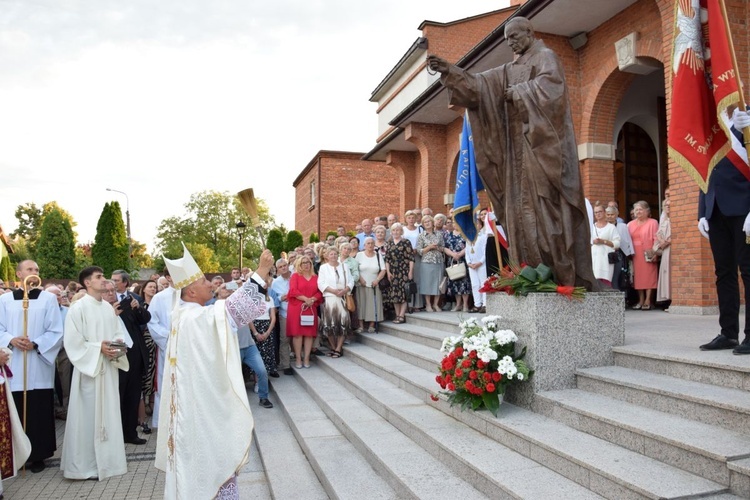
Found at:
<point>497,242</point>
<point>735,66</point>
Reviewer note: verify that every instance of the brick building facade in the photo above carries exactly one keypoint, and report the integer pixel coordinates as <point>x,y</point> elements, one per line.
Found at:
<point>617,59</point>
<point>339,188</point>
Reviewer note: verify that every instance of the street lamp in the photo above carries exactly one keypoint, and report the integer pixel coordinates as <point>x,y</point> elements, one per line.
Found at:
<point>127,220</point>
<point>241,231</point>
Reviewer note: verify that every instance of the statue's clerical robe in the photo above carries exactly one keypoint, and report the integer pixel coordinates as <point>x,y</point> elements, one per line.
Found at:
<point>527,158</point>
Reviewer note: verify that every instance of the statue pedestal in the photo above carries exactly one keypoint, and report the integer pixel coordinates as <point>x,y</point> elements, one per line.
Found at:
<point>560,336</point>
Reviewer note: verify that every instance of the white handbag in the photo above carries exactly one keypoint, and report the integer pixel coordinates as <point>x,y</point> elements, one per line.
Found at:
<point>456,271</point>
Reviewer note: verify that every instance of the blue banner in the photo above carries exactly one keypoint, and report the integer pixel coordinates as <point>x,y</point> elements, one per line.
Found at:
<point>468,186</point>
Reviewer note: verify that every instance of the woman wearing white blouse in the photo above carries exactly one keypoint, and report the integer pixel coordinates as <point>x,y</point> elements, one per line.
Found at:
<point>371,271</point>
<point>335,281</point>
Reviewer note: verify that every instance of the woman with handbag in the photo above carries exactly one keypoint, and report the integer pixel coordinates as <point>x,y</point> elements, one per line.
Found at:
<point>664,244</point>
<point>430,247</point>
<point>604,245</point>
<point>346,257</point>
<point>301,319</point>
<point>645,269</point>
<point>455,248</point>
<point>369,297</point>
<point>399,267</point>
<point>335,282</point>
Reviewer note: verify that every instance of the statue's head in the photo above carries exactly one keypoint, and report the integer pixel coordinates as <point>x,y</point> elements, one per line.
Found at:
<point>520,34</point>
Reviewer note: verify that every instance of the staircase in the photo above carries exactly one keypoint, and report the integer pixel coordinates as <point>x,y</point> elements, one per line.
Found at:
<point>660,423</point>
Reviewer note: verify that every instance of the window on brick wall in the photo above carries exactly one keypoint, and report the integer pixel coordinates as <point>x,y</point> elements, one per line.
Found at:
<point>312,194</point>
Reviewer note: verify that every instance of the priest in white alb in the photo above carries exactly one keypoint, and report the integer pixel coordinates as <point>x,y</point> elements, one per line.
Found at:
<point>94,447</point>
<point>206,426</point>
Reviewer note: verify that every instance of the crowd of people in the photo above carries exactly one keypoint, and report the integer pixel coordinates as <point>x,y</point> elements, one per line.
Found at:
<point>633,257</point>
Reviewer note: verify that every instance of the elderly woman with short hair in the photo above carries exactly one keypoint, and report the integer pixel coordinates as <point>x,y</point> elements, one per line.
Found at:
<point>369,297</point>
<point>335,283</point>
<point>430,245</point>
<point>645,271</point>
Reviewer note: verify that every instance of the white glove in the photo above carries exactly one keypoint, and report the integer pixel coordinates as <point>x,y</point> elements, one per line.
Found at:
<point>746,225</point>
<point>703,226</point>
<point>740,119</point>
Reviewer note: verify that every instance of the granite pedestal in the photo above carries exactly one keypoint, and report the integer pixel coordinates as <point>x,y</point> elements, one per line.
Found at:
<point>560,336</point>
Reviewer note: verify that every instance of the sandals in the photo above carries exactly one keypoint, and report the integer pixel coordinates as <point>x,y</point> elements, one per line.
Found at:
<point>336,354</point>
<point>637,307</point>
<point>646,307</point>
<point>399,320</point>
<point>371,329</point>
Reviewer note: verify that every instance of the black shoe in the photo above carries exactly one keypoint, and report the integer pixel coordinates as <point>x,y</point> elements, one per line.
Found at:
<point>37,466</point>
<point>288,371</point>
<point>318,352</point>
<point>720,342</point>
<point>744,347</point>
<point>265,403</point>
<point>146,428</point>
<point>274,374</point>
<point>135,440</point>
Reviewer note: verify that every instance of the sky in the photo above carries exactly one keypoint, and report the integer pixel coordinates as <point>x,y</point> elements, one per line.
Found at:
<point>164,99</point>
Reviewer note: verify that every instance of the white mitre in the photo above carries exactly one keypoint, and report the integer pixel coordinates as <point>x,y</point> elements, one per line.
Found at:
<point>183,271</point>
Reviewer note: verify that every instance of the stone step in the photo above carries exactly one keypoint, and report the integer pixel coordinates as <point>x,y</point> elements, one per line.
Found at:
<point>281,455</point>
<point>740,476</point>
<point>446,322</point>
<point>605,468</point>
<point>423,335</point>
<point>341,470</point>
<point>710,367</point>
<point>699,448</point>
<point>438,443</point>
<point>252,481</point>
<point>710,404</point>
<point>410,470</point>
<point>423,356</point>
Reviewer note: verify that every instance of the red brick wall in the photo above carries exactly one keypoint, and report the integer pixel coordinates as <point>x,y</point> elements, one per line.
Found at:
<point>349,190</point>
<point>453,41</point>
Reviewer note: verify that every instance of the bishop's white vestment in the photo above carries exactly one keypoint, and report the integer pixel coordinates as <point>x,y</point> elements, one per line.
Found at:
<point>206,425</point>
<point>93,445</point>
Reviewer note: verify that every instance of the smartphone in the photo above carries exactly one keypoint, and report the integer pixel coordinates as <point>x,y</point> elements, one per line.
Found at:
<point>231,285</point>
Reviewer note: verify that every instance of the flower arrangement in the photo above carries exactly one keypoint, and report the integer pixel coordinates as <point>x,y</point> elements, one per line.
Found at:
<point>521,279</point>
<point>480,364</point>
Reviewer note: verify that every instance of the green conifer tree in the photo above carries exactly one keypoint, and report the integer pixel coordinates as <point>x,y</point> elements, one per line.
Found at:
<point>55,250</point>
<point>293,240</point>
<point>110,250</point>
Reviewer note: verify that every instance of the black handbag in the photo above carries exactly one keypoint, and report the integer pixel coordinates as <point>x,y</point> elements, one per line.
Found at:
<point>613,257</point>
<point>385,283</point>
<point>411,288</point>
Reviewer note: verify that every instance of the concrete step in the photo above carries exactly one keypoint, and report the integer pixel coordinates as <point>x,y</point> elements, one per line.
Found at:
<point>424,335</point>
<point>740,476</point>
<point>438,443</point>
<point>605,468</point>
<point>689,363</point>
<point>702,449</point>
<point>341,470</point>
<point>281,455</point>
<point>446,322</point>
<point>423,356</point>
<point>410,470</point>
<point>710,404</point>
<point>252,481</point>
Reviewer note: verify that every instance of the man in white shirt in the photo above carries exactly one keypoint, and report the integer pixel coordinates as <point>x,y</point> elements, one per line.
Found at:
<point>281,287</point>
<point>45,335</point>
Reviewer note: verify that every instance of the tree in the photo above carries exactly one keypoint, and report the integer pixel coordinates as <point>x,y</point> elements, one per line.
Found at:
<point>275,242</point>
<point>83,256</point>
<point>7,273</point>
<point>210,218</point>
<point>314,238</point>
<point>110,250</point>
<point>204,256</point>
<point>331,233</point>
<point>30,219</point>
<point>140,257</point>
<point>293,240</point>
<point>55,252</point>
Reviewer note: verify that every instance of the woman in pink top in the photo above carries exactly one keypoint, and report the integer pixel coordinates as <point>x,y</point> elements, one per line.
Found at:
<point>645,274</point>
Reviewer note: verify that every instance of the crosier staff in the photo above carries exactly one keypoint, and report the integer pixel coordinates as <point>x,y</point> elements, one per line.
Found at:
<point>25,305</point>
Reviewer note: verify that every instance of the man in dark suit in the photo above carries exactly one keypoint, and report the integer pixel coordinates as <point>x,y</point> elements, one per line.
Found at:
<point>724,212</point>
<point>129,307</point>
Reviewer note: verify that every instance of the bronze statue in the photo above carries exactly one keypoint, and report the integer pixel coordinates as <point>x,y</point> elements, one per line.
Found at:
<point>526,154</point>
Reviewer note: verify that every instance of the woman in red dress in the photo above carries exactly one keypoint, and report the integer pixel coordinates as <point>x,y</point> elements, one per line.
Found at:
<point>304,298</point>
<point>645,274</point>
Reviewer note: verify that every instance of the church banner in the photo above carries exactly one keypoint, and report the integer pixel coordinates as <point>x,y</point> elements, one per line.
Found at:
<point>705,89</point>
<point>468,186</point>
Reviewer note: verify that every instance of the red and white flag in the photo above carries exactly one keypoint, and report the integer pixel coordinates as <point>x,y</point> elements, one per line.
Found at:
<point>704,86</point>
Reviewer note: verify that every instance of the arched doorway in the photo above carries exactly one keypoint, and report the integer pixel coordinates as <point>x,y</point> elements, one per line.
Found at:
<point>641,144</point>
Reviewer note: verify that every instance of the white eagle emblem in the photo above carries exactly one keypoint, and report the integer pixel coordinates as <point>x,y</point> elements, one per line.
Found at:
<point>689,46</point>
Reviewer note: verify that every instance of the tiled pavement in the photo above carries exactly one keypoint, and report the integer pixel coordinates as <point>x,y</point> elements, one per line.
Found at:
<point>143,480</point>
